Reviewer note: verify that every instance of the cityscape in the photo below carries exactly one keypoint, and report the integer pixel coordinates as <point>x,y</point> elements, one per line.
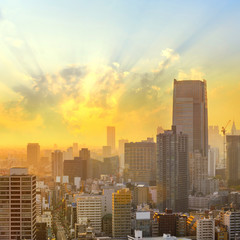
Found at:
<point>109,134</point>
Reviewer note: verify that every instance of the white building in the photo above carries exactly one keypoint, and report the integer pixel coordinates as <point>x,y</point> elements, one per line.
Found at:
<point>213,156</point>
<point>232,221</point>
<point>206,229</point>
<point>90,207</point>
<point>107,201</point>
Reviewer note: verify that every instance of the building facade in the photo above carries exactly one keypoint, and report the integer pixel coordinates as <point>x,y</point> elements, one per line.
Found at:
<point>172,171</point>
<point>18,205</point>
<point>121,213</point>
<point>140,162</point>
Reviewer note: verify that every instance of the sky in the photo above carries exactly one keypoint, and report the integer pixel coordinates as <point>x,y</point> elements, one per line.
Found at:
<point>68,69</point>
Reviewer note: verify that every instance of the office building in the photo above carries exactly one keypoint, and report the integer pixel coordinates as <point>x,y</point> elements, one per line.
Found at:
<point>73,169</point>
<point>140,162</point>
<point>121,150</point>
<point>190,113</point>
<point>233,159</point>
<point>213,159</point>
<point>90,207</point>
<point>84,155</point>
<point>75,150</point>
<point>111,138</point>
<point>106,151</point>
<point>33,154</point>
<point>198,172</point>
<point>121,213</point>
<point>18,205</point>
<point>57,165</point>
<point>206,229</point>
<point>172,171</point>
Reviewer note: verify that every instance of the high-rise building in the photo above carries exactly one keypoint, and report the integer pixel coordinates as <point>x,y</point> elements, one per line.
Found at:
<point>206,229</point>
<point>213,158</point>
<point>172,171</point>
<point>215,140</point>
<point>18,205</point>
<point>121,150</point>
<point>198,172</point>
<point>140,162</point>
<point>106,151</point>
<point>84,155</point>
<point>57,165</point>
<point>33,154</point>
<point>190,113</point>
<point>111,138</point>
<point>233,159</point>
<point>231,219</point>
<point>121,213</point>
<point>75,150</point>
<point>90,207</point>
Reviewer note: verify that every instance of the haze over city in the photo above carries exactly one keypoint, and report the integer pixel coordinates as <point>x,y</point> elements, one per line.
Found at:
<point>69,69</point>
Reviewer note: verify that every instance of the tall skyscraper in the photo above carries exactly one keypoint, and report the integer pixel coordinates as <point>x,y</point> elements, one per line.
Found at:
<point>140,161</point>
<point>33,154</point>
<point>57,164</point>
<point>75,150</point>
<point>233,159</point>
<point>18,205</point>
<point>121,213</point>
<point>111,137</point>
<point>121,149</point>
<point>172,171</point>
<point>84,155</point>
<point>190,113</point>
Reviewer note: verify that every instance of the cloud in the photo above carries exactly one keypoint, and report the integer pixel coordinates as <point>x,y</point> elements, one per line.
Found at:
<point>193,74</point>
<point>170,56</point>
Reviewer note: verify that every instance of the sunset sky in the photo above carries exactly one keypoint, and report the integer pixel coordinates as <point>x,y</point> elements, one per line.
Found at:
<point>68,69</point>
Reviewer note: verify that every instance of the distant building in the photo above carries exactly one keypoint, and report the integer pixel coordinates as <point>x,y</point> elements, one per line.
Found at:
<point>121,150</point>
<point>121,213</point>
<point>18,201</point>
<point>75,149</point>
<point>111,138</point>
<point>172,171</point>
<point>213,159</point>
<point>106,151</point>
<point>140,162</point>
<point>57,165</point>
<point>206,229</point>
<point>110,165</point>
<point>233,159</point>
<point>84,155</point>
<point>33,154</point>
<point>198,168</point>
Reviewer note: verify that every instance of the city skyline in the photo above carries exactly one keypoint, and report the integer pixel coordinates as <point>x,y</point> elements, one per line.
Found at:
<point>65,79</point>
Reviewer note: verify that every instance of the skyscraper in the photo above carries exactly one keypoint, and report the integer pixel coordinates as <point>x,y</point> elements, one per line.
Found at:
<point>190,113</point>
<point>172,171</point>
<point>140,161</point>
<point>121,149</point>
<point>84,155</point>
<point>57,164</point>
<point>18,205</point>
<point>121,213</point>
<point>111,137</point>
<point>33,154</point>
<point>233,159</point>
